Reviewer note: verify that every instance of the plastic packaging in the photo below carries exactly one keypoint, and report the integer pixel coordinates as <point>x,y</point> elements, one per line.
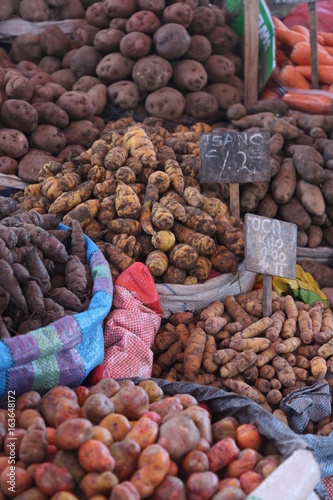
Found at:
<point>295,479</point>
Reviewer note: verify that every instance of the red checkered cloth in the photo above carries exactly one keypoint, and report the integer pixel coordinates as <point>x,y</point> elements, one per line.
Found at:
<point>131,326</point>
<point>328,483</point>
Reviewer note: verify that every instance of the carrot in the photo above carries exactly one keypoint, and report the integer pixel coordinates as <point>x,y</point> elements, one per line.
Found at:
<point>328,49</point>
<point>292,79</point>
<point>301,54</point>
<point>281,58</point>
<point>278,23</point>
<point>305,31</point>
<point>325,73</point>
<point>288,37</point>
<point>75,275</point>
<point>328,37</point>
<point>38,271</point>
<point>309,103</point>
<point>11,285</point>
<point>78,243</point>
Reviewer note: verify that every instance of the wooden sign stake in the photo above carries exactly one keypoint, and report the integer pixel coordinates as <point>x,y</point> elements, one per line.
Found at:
<point>312,10</point>
<point>251,51</point>
<point>234,199</point>
<point>267,295</point>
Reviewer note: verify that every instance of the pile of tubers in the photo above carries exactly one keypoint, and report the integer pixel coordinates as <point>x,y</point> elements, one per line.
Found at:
<point>136,194</point>
<point>43,271</point>
<point>232,346</point>
<point>119,440</point>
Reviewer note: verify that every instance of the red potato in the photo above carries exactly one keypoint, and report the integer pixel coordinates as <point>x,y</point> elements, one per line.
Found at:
<point>124,491</point>
<point>178,436</point>
<point>95,483</point>
<point>153,390</point>
<point>49,478</point>
<point>144,432</point>
<point>245,461</point>
<point>194,461</point>
<point>248,436</point>
<point>167,407</point>
<point>153,466</point>
<point>230,493</point>
<point>102,434</point>
<point>222,454</point>
<point>69,460</point>
<point>225,428</point>
<point>228,482</point>
<point>82,394</point>
<point>132,402</point>
<point>94,456</point>
<point>144,21</point>
<point>171,488</point>
<point>117,424</point>
<point>202,485</point>
<point>201,418</point>
<point>27,417</point>
<point>14,480</point>
<point>250,480</point>
<point>125,454</point>
<point>30,399</point>
<point>96,407</point>
<point>70,434</point>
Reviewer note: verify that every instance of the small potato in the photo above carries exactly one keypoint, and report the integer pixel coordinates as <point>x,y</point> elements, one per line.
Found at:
<point>230,493</point>
<point>135,45</point>
<point>144,432</point>
<point>30,165</point>
<point>95,15</point>
<point>19,88</point>
<point>71,433</point>
<point>189,75</point>
<point>250,480</point>
<point>13,143</point>
<point>96,407</point>
<point>50,113</point>
<point>153,466</point>
<point>84,35</point>
<point>34,10</point>
<point>222,453</point>
<point>81,132</point>
<point>21,481</point>
<point>99,95</point>
<point>49,478</point>
<point>245,461</point>
<point>132,402</point>
<point>30,399</point>
<point>200,48</point>
<point>179,13</point>
<point>77,105</point>
<point>171,41</point>
<point>94,484</point>
<point>204,20</point>
<point>8,165</point>
<point>219,68</point>
<point>194,461</point>
<point>54,42</point>
<point>248,436</point>
<point>94,456</point>
<point>166,407</point>
<point>64,77</point>
<point>114,67</point>
<point>84,61</point>
<point>200,105</point>
<point>202,485</point>
<point>124,94</point>
<point>223,39</point>
<point>171,488</point>
<point>124,490</point>
<point>108,40</point>
<point>144,21</point>
<point>179,429</point>
<point>48,138</point>
<point>27,417</point>
<point>117,424</point>
<point>119,8</point>
<point>85,83</point>
<point>225,94</point>
<point>153,5</point>
<point>125,454</point>
<point>166,103</point>
<point>154,392</point>
<point>102,434</point>
<point>152,72</point>
<point>69,460</point>
<point>107,386</point>
<point>58,404</point>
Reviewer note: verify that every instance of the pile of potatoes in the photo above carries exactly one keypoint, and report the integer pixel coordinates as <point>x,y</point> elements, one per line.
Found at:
<point>136,193</point>
<point>172,57</point>
<point>120,440</point>
<point>232,346</point>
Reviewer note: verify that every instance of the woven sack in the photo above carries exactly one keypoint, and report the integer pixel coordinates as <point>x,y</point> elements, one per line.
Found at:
<point>177,298</point>
<point>321,255</point>
<point>65,351</point>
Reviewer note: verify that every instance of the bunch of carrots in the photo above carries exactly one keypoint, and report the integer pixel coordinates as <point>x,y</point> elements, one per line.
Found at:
<point>293,58</point>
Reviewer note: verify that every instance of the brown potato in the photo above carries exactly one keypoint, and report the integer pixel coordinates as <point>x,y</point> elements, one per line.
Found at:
<point>219,68</point>
<point>50,64</point>
<point>200,48</point>
<point>152,72</point>
<point>135,45</point>
<point>84,35</point>
<point>96,407</point>
<point>64,77</point>
<point>96,16</point>
<point>189,75</point>
<point>81,132</point>
<point>50,113</point>
<point>125,454</point>
<point>34,10</point>
<point>119,8</point>
<point>132,402</point>
<point>201,105</point>
<point>13,143</point>
<point>108,40</point>
<point>19,87</point>
<point>171,41</point>
<point>204,20</point>
<point>54,42</point>
<point>226,95</point>
<point>144,21</point>
<point>223,39</point>
<point>166,103</point>
<point>84,61</point>
<point>85,83</point>
<point>179,13</point>
<point>20,115</point>
<point>71,433</point>
<point>114,67</point>
<point>124,94</point>
<point>48,138</point>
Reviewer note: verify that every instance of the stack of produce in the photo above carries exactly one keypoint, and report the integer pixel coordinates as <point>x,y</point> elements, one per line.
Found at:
<point>136,193</point>
<point>118,440</point>
<point>43,270</point>
<point>169,59</point>
<point>232,346</point>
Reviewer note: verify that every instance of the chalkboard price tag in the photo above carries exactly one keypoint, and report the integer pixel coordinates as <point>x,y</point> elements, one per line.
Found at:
<point>234,157</point>
<point>270,246</point>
